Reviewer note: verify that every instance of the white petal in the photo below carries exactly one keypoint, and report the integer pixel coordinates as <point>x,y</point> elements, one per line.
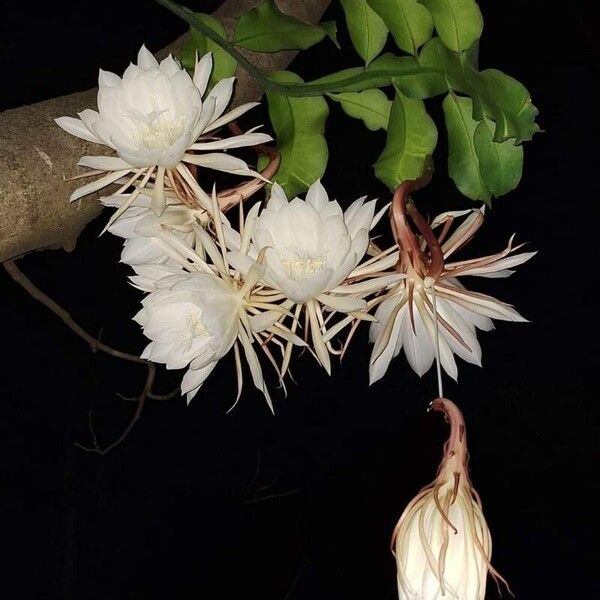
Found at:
<point>417,344</point>
<point>77,128</point>
<point>381,358</point>
<point>169,66</point>
<point>222,92</point>
<point>500,265</point>
<point>317,196</point>
<point>202,72</point>
<point>222,162</point>
<point>237,141</point>
<point>145,58</point>
<point>342,303</point>
<point>194,378</point>
<point>104,163</point>
<point>94,186</point>
<point>233,114</point>
<point>108,79</point>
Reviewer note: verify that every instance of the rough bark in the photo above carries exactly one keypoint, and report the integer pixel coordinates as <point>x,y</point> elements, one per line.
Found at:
<point>36,155</point>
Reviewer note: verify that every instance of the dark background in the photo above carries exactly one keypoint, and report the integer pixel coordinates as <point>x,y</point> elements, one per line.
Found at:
<point>182,509</point>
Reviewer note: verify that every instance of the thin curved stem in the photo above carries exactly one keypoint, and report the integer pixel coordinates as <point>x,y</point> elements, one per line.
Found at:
<point>20,278</point>
<point>365,79</point>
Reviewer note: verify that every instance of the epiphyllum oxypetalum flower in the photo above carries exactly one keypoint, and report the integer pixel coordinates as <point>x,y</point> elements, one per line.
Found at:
<point>197,311</point>
<point>143,230</point>
<point>406,318</point>
<point>442,543</point>
<point>310,247</point>
<point>156,121</point>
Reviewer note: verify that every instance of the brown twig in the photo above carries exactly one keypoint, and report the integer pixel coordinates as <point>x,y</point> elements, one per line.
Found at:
<point>19,277</point>
<point>35,292</point>
<point>141,401</point>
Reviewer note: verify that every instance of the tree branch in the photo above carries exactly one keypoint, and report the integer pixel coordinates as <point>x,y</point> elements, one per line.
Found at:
<point>37,156</point>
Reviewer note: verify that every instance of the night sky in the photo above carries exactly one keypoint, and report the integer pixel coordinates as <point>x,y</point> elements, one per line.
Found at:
<point>197,503</point>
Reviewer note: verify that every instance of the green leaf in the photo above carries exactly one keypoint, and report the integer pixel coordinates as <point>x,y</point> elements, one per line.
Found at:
<point>495,95</point>
<point>330,29</point>
<point>411,139</point>
<point>463,163</point>
<point>508,103</point>
<point>223,64</point>
<point>481,168</point>
<point>267,29</point>
<point>371,106</point>
<point>501,164</point>
<point>458,22</point>
<point>408,21</point>
<point>366,28</point>
<point>299,124</point>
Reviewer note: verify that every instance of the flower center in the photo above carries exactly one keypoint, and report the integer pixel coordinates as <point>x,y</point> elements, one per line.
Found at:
<point>196,327</point>
<point>301,265</point>
<point>157,129</point>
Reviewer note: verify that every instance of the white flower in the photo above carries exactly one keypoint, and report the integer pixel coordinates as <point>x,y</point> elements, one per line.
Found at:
<point>442,543</point>
<point>193,322</point>
<point>407,315</point>
<point>153,117</point>
<point>199,308</point>
<point>310,247</point>
<point>143,230</point>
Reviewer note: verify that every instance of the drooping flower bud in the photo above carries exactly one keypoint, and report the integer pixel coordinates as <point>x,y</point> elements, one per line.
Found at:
<point>442,543</point>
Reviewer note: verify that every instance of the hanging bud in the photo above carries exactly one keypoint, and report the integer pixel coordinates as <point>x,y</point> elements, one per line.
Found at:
<point>442,543</point>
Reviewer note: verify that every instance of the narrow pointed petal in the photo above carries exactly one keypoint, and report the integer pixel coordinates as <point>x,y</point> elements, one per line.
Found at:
<point>236,141</point>
<point>222,162</point>
<point>94,186</point>
<point>104,163</point>
<point>232,115</point>
<point>202,72</point>
<point>77,128</point>
<point>159,201</point>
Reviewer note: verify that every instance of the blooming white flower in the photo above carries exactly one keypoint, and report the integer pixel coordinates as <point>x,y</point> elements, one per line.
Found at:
<point>199,308</point>
<point>442,543</point>
<point>144,230</point>
<point>310,247</point>
<point>193,322</point>
<point>156,119</point>
<point>431,290</point>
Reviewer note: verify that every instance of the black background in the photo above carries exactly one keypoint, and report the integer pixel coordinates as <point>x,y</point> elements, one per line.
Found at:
<point>182,509</point>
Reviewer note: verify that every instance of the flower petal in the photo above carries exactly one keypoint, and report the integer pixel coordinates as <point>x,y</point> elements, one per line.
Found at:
<point>77,128</point>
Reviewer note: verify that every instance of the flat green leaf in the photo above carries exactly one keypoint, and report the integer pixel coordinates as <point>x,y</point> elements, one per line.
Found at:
<point>495,95</point>
<point>409,22</point>
<point>481,168</point>
<point>458,22</point>
<point>223,64</point>
<point>299,124</point>
<point>463,164</point>
<point>500,164</point>
<point>508,103</point>
<point>411,139</point>
<point>366,28</point>
<point>267,29</point>
<point>371,106</point>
